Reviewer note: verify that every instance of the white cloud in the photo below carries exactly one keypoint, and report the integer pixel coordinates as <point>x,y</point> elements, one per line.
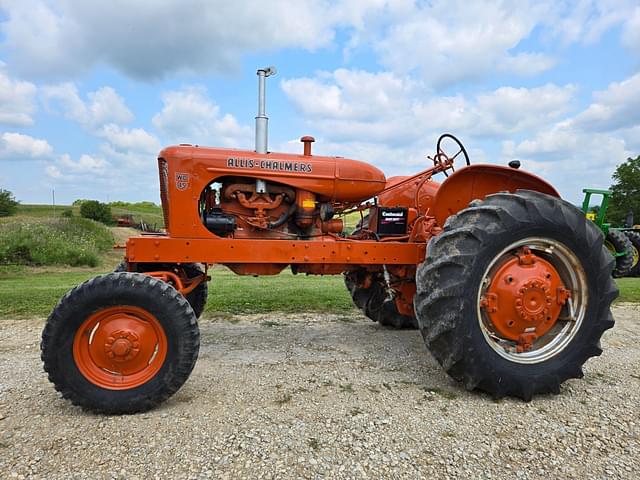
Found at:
<point>189,115</point>
<point>111,172</point>
<point>394,122</point>
<point>616,107</point>
<point>631,137</point>
<point>511,110</point>
<point>100,108</point>
<point>586,21</point>
<point>527,64</point>
<point>356,105</point>
<point>135,139</point>
<point>583,150</point>
<point>631,31</point>
<point>569,158</point>
<point>101,114</point>
<point>448,41</point>
<point>16,101</point>
<point>552,144</point>
<point>353,105</point>
<point>53,172</point>
<point>85,172</point>
<point>61,39</point>
<point>18,146</point>
<point>454,41</point>
<point>85,164</point>
<point>352,94</point>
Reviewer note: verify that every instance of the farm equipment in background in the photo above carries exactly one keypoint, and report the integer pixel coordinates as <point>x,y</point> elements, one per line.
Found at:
<point>127,220</point>
<point>509,284</point>
<point>623,243</point>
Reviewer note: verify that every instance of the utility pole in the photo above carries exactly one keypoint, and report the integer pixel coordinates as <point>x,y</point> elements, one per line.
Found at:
<point>53,194</point>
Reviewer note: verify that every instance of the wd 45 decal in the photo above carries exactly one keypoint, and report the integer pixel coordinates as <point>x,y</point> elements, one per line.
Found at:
<point>182,181</point>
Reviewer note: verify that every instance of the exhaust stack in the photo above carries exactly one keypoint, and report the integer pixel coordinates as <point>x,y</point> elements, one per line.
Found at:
<point>262,121</point>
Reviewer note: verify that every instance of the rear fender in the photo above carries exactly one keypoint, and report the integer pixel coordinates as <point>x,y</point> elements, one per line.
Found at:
<point>475,182</point>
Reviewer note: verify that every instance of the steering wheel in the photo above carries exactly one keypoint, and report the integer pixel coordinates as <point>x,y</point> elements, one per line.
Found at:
<point>441,156</point>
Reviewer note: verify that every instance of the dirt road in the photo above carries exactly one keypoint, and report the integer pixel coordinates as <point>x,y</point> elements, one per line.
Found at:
<point>331,396</point>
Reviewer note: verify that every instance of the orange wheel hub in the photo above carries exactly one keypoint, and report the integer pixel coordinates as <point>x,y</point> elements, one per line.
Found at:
<point>119,348</point>
<point>524,298</point>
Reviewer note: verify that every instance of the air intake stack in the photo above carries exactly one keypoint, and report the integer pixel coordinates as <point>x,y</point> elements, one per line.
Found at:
<point>262,121</point>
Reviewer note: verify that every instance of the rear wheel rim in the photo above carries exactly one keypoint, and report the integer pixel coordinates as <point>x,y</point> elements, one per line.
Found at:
<point>120,348</point>
<point>568,322</point>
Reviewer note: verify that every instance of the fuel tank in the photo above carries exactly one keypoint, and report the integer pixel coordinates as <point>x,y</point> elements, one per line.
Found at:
<point>401,192</point>
<point>333,179</point>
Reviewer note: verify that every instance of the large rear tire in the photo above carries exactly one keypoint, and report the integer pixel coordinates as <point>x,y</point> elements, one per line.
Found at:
<point>488,248</point>
<point>120,343</point>
<point>619,245</point>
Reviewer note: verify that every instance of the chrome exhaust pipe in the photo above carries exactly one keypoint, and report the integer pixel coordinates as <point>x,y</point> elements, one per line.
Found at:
<point>262,121</point>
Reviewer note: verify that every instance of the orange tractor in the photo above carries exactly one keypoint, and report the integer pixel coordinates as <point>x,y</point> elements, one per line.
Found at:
<point>509,284</point>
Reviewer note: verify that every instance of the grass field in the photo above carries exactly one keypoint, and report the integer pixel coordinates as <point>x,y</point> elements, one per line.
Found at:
<point>629,289</point>
<point>230,293</point>
<point>151,214</point>
<point>26,292</point>
<point>32,292</point>
<point>53,241</point>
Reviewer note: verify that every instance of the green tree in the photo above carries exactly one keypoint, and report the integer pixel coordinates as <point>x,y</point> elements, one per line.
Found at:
<point>625,192</point>
<point>97,211</point>
<point>8,204</point>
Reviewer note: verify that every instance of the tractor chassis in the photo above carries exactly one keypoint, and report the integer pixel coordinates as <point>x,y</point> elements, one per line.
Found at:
<point>155,248</point>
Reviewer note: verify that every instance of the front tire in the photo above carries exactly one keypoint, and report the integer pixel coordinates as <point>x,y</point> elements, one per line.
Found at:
<point>373,300</point>
<point>374,303</point>
<point>197,298</point>
<point>120,343</point>
<point>515,294</point>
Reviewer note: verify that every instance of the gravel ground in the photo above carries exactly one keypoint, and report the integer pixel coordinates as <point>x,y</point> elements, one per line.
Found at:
<point>324,397</point>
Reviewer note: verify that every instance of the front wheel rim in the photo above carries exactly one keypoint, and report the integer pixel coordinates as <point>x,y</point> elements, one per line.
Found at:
<point>120,348</point>
<point>556,258</point>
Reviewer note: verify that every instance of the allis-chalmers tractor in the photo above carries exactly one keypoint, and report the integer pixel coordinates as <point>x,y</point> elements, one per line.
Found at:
<point>509,284</point>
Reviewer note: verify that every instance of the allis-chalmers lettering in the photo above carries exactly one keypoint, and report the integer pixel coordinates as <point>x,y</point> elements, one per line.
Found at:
<point>283,166</point>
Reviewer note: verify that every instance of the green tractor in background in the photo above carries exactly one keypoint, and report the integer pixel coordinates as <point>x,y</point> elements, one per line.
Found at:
<point>623,243</point>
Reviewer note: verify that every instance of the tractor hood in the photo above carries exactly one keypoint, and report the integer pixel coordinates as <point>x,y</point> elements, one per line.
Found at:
<point>333,179</point>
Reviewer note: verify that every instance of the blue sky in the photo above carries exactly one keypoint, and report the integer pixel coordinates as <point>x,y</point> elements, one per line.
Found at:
<point>91,90</point>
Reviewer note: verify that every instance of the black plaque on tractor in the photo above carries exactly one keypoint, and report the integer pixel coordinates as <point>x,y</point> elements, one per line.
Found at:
<point>391,221</point>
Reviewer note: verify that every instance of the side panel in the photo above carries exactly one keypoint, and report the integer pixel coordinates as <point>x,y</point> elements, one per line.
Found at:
<point>152,248</point>
<point>478,181</point>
